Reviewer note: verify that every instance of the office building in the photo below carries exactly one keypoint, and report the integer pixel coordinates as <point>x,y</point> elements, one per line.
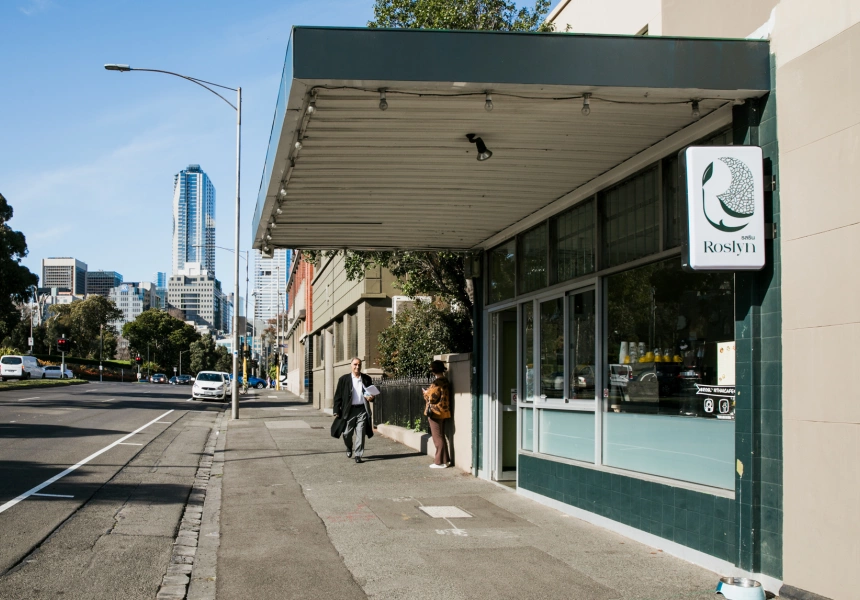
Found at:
<point>160,295</point>
<point>132,299</point>
<point>197,294</point>
<point>102,282</point>
<point>193,220</point>
<point>270,275</point>
<point>65,272</point>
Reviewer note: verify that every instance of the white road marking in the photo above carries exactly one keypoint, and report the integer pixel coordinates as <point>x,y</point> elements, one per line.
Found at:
<point>33,398</point>
<point>290,408</point>
<point>271,396</point>
<point>54,495</point>
<point>129,444</point>
<point>109,399</point>
<point>165,422</point>
<point>58,476</point>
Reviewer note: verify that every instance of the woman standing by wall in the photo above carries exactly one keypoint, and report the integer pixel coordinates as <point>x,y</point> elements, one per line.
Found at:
<point>438,411</point>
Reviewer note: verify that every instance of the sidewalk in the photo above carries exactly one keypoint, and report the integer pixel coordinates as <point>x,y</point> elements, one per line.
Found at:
<point>298,519</point>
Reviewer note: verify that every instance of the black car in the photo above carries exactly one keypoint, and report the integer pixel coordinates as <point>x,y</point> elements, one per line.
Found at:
<point>158,378</point>
<point>181,380</point>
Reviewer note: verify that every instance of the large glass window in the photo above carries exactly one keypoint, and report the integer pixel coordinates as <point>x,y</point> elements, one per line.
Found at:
<point>552,348</point>
<point>528,346</point>
<point>502,271</point>
<point>573,242</point>
<point>581,347</point>
<point>567,433</point>
<point>533,259</point>
<point>631,219</point>
<point>670,357</point>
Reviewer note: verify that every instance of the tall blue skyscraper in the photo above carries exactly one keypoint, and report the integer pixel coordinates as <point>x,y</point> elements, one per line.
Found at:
<point>193,219</point>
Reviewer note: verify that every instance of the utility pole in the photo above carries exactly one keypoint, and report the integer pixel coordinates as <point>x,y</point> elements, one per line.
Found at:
<point>101,349</point>
<point>278,327</point>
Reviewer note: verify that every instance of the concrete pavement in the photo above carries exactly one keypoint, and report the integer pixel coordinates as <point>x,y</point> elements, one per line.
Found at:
<point>298,519</point>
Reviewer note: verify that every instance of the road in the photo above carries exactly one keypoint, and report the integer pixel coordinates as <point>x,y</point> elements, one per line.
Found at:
<point>118,461</point>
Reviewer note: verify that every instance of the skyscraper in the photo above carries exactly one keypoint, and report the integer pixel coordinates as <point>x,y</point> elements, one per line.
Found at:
<point>102,282</point>
<point>268,273</point>
<point>193,219</point>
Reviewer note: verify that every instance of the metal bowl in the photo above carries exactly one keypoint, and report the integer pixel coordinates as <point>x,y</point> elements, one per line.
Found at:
<point>740,588</point>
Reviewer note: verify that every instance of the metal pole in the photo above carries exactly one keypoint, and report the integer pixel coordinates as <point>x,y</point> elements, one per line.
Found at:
<point>235,387</point>
<point>101,348</point>
<point>245,328</point>
<point>278,327</point>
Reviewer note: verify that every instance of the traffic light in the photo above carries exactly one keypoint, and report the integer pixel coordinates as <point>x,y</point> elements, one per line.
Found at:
<point>138,359</point>
<point>63,344</point>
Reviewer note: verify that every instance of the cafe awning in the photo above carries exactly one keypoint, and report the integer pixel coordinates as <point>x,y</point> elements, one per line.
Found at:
<point>341,172</point>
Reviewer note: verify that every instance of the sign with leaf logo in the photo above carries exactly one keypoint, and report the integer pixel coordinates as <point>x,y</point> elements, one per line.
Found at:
<point>724,206</point>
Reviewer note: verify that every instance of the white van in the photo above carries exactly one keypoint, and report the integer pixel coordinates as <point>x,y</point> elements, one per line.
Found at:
<point>13,366</point>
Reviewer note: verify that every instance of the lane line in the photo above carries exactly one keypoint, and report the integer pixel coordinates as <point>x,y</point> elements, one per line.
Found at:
<point>165,422</point>
<point>54,495</point>
<point>58,476</point>
<point>33,398</point>
<point>109,399</point>
<point>129,444</point>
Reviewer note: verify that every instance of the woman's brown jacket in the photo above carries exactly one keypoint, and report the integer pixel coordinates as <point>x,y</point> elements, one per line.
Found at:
<point>438,396</point>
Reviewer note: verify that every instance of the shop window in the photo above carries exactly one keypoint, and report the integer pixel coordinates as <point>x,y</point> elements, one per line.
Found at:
<point>552,348</point>
<point>532,273</point>
<point>630,219</point>
<point>581,346</point>
<point>528,415</point>
<point>670,358</point>
<point>528,351</point>
<point>502,271</point>
<point>567,433</point>
<point>573,242</point>
<point>352,335</point>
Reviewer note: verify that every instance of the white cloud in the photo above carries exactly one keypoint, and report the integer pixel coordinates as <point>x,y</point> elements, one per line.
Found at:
<point>34,7</point>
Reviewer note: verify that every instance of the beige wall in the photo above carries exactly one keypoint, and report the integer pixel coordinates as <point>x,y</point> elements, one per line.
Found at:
<point>816,47</point>
<point>626,17</point>
<point>715,18</point>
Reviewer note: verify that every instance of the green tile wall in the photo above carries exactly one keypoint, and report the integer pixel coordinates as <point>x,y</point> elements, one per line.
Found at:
<point>700,521</point>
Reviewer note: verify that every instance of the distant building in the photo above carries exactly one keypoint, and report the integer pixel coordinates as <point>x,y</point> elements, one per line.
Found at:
<point>197,294</point>
<point>160,294</point>
<point>132,299</point>
<point>193,220</point>
<point>102,282</point>
<point>65,272</point>
<point>270,276</point>
<point>49,296</point>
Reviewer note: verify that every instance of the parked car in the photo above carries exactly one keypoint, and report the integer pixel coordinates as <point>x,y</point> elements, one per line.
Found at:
<point>254,382</point>
<point>210,385</point>
<point>158,378</point>
<point>181,380</point>
<point>16,366</point>
<point>55,372</point>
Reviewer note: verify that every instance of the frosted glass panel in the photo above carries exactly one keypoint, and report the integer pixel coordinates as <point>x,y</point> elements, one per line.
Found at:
<point>567,434</point>
<point>685,448</point>
<point>528,428</point>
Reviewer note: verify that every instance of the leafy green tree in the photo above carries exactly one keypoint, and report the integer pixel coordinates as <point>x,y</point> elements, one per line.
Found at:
<point>223,361</point>
<point>18,337</point>
<point>496,15</point>
<point>421,331</point>
<point>16,280</point>
<point>204,355</point>
<point>91,326</point>
<point>165,336</point>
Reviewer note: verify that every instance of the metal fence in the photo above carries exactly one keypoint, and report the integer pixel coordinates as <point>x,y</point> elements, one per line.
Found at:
<point>401,402</point>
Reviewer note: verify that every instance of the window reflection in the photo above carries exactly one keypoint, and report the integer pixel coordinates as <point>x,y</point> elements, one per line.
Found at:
<point>528,351</point>
<point>552,348</point>
<point>502,271</point>
<point>582,348</point>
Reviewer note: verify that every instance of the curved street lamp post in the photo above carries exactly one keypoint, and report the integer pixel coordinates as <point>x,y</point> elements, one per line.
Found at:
<point>238,108</point>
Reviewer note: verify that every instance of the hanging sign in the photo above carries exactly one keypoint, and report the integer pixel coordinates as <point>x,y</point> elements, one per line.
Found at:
<point>725,208</point>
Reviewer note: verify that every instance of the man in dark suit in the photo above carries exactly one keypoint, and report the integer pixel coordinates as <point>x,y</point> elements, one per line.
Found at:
<point>350,404</point>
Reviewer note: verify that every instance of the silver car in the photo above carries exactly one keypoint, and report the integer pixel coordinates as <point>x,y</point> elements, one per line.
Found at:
<point>55,372</point>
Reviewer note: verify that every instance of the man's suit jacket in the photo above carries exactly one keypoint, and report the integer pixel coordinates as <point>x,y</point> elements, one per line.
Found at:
<point>343,396</point>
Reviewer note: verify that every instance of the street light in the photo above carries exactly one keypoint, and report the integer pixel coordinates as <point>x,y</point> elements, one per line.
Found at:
<point>238,108</point>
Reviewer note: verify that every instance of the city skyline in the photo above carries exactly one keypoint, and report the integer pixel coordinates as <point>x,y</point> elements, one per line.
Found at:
<point>193,219</point>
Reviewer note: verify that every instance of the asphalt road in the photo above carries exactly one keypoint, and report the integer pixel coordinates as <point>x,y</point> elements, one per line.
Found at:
<point>114,452</point>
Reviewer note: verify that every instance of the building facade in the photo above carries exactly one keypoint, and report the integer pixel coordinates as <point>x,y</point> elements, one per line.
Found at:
<point>102,282</point>
<point>65,272</point>
<point>196,293</point>
<point>193,219</point>
<point>297,345</point>
<point>132,298</point>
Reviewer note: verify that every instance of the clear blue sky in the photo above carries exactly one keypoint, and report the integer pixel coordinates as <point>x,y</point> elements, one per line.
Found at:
<point>87,156</point>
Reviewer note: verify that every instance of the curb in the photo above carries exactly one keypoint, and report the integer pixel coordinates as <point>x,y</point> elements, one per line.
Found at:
<point>176,580</point>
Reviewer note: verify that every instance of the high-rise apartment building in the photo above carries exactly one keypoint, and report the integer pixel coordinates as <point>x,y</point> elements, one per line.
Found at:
<point>270,275</point>
<point>102,282</point>
<point>65,272</point>
<point>193,220</point>
<point>159,299</point>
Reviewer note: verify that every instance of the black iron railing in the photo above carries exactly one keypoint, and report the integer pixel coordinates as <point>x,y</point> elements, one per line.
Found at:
<point>401,402</point>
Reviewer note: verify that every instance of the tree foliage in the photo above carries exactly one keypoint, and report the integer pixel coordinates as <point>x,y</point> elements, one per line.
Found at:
<point>421,331</point>
<point>15,279</point>
<point>208,356</point>
<point>84,323</point>
<point>496,15</point>
<point>164,335</point>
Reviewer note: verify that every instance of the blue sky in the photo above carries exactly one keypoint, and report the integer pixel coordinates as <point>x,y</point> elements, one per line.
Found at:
<point>87,156</point>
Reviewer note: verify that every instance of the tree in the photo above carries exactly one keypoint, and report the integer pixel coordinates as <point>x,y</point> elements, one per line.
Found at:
<point>223,360</point>
<point>16,280</point>
<point>91,326</point>
<point>421,331</point>
<point>164,335</point>
<point>496,15</point>
<point>204,355</point>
